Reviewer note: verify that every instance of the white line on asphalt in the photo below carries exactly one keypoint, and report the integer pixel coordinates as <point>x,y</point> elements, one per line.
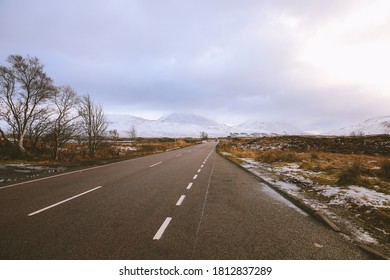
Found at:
<point>203,209</point>
<point>163,227</point>
<point>153,165</point>
<point>180,201</point>
<point>189,186</point>
<point>199,170</point>
<point>196,176</point>
<point>179,155</point>
<point>202,166</point>
<point>70,173</point>
<point>63,201</point>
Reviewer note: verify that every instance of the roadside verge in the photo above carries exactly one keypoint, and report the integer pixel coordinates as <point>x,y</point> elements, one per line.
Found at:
<point>319,215</point>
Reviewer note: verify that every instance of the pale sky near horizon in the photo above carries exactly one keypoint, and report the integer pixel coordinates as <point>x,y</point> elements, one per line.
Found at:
<point>319,65</point>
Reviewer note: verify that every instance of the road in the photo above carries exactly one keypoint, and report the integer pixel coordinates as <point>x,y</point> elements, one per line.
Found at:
<point>184,204</point>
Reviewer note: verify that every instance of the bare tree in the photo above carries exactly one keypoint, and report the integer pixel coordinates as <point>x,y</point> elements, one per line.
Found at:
<point>204,135</point>
<point>132,132</point>
<point>24,88</point>
<point>39,126</point>
<point>114,135</point>
<point>94,123</point>
<point>65,103</point>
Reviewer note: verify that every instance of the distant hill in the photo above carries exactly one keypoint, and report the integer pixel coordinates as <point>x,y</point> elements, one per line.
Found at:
<point>174,125</point>
<point>268,128</point>
<point>373,126</point>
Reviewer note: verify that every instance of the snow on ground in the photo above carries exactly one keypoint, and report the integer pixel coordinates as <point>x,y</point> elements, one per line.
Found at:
<point>358,195</point>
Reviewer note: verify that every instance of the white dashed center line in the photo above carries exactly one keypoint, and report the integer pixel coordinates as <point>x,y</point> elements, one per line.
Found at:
<point>180,201</point>
<point>163,227</point>
<point>189,186</point>
<point>196,176</point>
<point>199,170</point>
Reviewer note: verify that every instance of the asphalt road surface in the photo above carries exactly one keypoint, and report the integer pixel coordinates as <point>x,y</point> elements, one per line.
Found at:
<point>184,204</point>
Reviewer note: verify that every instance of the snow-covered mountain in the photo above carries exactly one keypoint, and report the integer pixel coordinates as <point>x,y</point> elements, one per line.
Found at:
<point>185,118</point>
<point>373,126</point>
<point>190,125</point>
<point>174,125</point>
<point>258,127</point>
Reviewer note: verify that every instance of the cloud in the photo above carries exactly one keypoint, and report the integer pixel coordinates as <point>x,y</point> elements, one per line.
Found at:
<point>300,61</point>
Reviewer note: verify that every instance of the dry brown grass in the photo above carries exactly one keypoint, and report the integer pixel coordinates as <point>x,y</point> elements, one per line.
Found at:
<point>273,156</point>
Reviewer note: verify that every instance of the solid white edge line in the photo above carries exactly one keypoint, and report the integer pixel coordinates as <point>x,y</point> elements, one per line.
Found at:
<point>69,173</point>
<point>180,201</point>
<point>153,165</point>
<point>196,176</point>
<point>63,201</point>
<point>189,186</point>
<point>163,227</point>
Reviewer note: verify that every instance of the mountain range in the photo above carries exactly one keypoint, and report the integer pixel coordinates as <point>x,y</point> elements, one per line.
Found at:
<point>373,126</point>
<point>191,125</point>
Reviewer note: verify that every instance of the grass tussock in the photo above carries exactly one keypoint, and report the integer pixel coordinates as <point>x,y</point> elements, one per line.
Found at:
<point>385,170</point>
<point>351,175</point>
<point>273,156</point>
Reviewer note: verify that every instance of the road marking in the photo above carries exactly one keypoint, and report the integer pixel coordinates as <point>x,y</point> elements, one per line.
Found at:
<point>194,247</point>
<point>163,227</point>
<point>179,155</point>
<point>153,165</point>
<point>189,186</point>
<point>180,201</point>
<point>69,173</point>
<point>199,170</point>
<point>63,201</point>
<point>196,176</point>
<point>202,166</point>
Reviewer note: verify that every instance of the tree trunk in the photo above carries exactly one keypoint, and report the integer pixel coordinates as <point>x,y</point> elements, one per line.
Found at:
<point>56,148</point>
<point>20,144</point>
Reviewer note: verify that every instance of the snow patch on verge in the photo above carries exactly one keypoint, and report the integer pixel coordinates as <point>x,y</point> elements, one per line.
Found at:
<point>358,195</point>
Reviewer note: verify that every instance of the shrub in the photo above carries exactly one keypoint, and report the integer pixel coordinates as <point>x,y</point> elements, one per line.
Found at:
<point>350,175</point>
<point>385,170</point>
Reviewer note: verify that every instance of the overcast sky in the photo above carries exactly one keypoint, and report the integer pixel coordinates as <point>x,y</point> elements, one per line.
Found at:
<point>316,64</point>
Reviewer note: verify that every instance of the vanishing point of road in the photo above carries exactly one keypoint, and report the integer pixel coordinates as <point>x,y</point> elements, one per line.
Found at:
<point>184,204</point>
